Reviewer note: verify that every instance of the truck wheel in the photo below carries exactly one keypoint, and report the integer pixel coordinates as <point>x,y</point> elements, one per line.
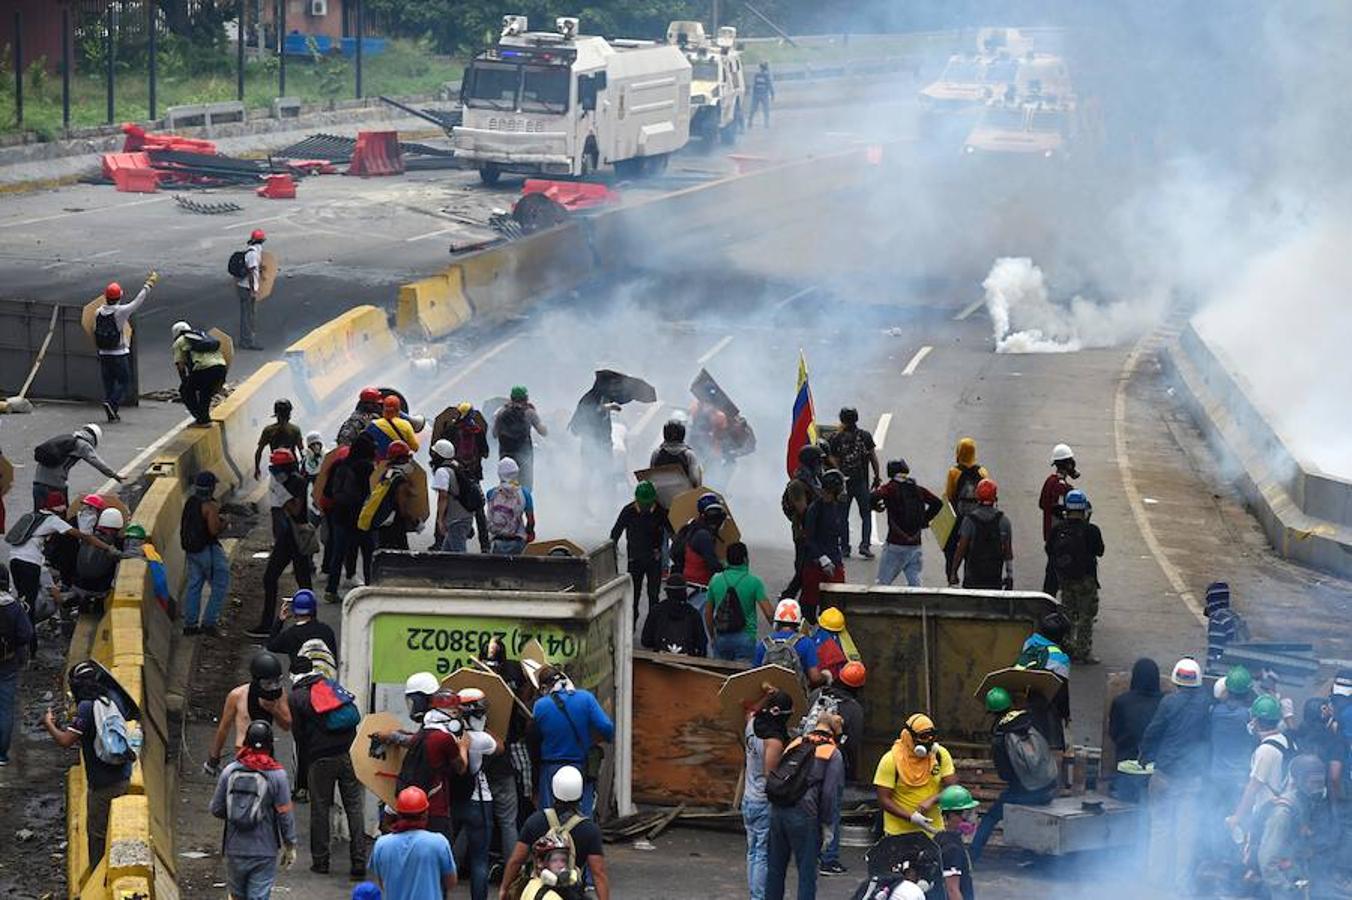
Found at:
<point>655,165</point>
<point>489,174</point>
<point>629,168</point>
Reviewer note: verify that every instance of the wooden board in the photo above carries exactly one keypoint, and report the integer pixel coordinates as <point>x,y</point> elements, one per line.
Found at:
<point>496,692</point>
<point>267,274</point>
<point>683,509</point>
<point>379,775</point>
<point>417,476</point>
<point>227,344</point>
<point>87,320</point>
<point>744,689</point>
<point>943,523</point>
<point>332,458</point>
<point>6,475</point>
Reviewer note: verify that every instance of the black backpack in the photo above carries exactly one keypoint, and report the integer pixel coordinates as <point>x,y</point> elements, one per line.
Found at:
<point>237,265</point>
<point>667,458</point>
<point>201,342</point>
<point>192,527</point>
<point>471,494</point>
<point>985,555</point>
<point>107,336</point>
<point>1069,550</point>
<point>415,771</point>
<point>1290,750</point>
<point>791,779</point>
<point>513,428</point>
<point>21,532</point>
<point>54,451</point>
<point>729,617</point>
<point>909,515</point>
<point>964,493</point>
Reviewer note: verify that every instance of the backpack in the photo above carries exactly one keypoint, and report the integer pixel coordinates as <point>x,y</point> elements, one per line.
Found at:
<point>1289,751</point>
<point>201,342</point>
<point>908,515</point>
<point>111,744</point>
<point>504,512</point>
<point>513,428</point>
<point>786,500</point>
<point>964,493</point>
<point>784,652</point>
<point>1031,758</point>
<point>192,527</point>
<point>237,266</point>
<point>415,771</point>
<point>665,457</point>
<point>791,779</point>
<point>53,452</point>
<point>378,509</point>
<point>729,618</point>
<point>21,532</point>
<point>336,706</point>
<point>985,556</point>
<point>1069,550</point>
<point>246,793</point>
<point>107,336</point>
<point>471,495</point>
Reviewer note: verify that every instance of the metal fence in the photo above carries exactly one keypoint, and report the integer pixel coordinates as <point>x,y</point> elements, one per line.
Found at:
<point>70,370</point>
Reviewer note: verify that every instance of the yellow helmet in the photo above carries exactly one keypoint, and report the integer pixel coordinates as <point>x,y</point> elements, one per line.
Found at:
<point>832,619</point>
<point>464,407</point>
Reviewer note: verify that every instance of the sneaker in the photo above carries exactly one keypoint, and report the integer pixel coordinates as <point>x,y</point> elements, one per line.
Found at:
<point>330,597</point>
<point>832,868</point>
<point>261,632</point>
<point>300,795</point>
<point>865,551</point>
<point>108,411</point>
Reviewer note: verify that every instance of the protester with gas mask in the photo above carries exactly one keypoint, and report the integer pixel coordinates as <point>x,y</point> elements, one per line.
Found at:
<point>509,773</point>
<point>261,698</point>
<point>472,797</point>
<point>1287,848</point>
<point>436,755</point>
<point>958,808</point>
<point>911,775</point>
<point>764,739</point>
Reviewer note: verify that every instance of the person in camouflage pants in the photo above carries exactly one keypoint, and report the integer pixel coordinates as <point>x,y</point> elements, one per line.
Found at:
<point>1074,548</point>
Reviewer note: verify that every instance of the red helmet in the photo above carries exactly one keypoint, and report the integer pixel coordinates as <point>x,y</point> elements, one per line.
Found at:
<point>444,698</point>
<point>113,291</point>
<point>369,395</point>
<point>398,450</point>
<point>258,236</point>
<point>412,801</point>
<point>986,492</point>
<point>94,501</point>
<point>282,457</point>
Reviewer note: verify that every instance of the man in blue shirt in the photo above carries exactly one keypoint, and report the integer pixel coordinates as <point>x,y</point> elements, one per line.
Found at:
<point>567,720</point>
<point>412,863</point>
<point>786,636</point>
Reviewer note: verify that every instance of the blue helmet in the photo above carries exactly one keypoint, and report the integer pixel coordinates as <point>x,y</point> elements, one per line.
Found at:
<point>709,502</point>
<point>303,603</point>
<point>1077,500</point>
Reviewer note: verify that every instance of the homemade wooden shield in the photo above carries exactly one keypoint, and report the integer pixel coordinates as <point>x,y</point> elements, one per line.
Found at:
<point>87,320</point>
<point>533,660</point>
<point>683,509</point>
<point>417,477</point>
<point>227,344</point>
<point>745,689</point>
<point>496,692</point>
<point>377,765</point>
<point>670,481</point>
<point>267,274</point>
<point>1021,682</point>
<point>332,458</point>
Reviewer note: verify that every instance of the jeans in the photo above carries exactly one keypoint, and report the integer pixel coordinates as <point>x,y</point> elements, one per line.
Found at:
<point>473,821</point>
<point>116,373</point>
<point>756,818</point>
<point>588,804</point>
<point>348,539</point>
<point>248,317</point>
<point>758,102</point>
<point>9,690</point>
<point>325,774</point>
<point>831,852</point>
<point>198,389</point>
<point>1173,825</point>
<point>792,833</point>
<point>456,539</point>
<point>736,646</point>
<point>997,812</point>
<point>651,571</point>
<point>857,494</point>
<point>899,558</point>
<point>508,546</point>
<point>284,553</point>
<point>504,810</point>
<point>250,877</point>
<point>208,566</point>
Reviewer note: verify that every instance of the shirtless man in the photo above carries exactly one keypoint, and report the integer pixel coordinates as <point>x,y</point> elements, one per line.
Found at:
<point>262,697</point>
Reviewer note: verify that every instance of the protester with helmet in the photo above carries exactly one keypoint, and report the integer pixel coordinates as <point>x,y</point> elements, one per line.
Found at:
<point>563,819</point>
<point>674,451</point>
<point>960,492</point>
<point>1042,650</point>
<point>279,435</point>
<point>460,502</point>
<point>200,527</point>
<point>1023,759</point>
<point>263,697</point>
<point>202,369</point>
<point>762,92</point>
<point>253,796</point>
<point>512,425</point>
<point>801,826</point>
<point>370,404</point>
<point>391,427</point>
<point>349,488</point>
<point>28,540</point>
<point>909,508</point>
<point>436,756</point>
<point>392,504</point>
<point>1269,764</point>
<point>985,545</point>
<point>827,639</point>
<point>510,509</point>
<point>300,624</point>
<point>106,777</point>
<point>911,775</point>
<point>1292,844</point>
<point>96,566</point>
<point>412,861</point>
<point>568,721</point>
<point>646,528</point>
<point>841,696</point>
<point>1232,746</point>
<point>292,537</point>
<point>823,535</point>
<point>16,634</point>
<point>1052,503</point>
<point>471,795</point>
<point>694,551</point>
<point>855,455</point>
<point>958,808</point>
<point>1073,550</point>
<point>111,341</point>
<point>745,593</point>
<point>56,456</point>
<point>787,646</point>
<point>1177,742</point>
<point>247,284</point>
<point>803,488</point>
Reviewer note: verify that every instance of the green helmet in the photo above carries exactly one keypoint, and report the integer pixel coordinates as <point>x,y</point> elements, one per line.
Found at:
<point>1238,681</point>
<point>645,493</point>
<point>136,532</point>
<point>956,798</point>
<point>998,700</point>
<point>1266,709</point>
<point>520,393</point>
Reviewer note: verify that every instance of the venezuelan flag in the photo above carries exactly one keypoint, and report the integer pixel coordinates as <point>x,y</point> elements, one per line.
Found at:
<point>804,428</point>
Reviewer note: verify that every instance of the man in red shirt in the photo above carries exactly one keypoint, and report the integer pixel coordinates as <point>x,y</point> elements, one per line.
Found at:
<point>1052,502</point>
<point>440,753</point>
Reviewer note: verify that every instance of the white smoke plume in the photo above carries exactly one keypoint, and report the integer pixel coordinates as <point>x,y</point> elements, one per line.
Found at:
<point>1026,320</point>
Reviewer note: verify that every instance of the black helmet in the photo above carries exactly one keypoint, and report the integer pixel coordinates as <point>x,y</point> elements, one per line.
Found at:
<point>1054,626</point>
<point>897,467</point>
<point>673,431</point>
<point>849,415</point>
<point>282,408</point>
<point>264,666</point>
<point>833,480</point>
<point>258,736</point>
<point>810,455</point>
<point>84,680</point>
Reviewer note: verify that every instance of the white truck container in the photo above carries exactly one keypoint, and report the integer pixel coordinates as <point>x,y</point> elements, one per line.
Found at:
<point>561,103</point>
<point>717,82</point>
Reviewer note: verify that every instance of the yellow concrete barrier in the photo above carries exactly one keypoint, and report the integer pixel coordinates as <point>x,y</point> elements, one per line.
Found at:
<point>130,854</point>
<point>77,830</point>
<point>503,281</point>
<point>338,351</point>
<point>434,307</point>
<point>242,415</point>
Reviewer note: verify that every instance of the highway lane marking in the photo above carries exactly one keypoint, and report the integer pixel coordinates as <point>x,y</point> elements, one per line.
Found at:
<point>714,350</point>
<point>255,222</point>
<point>473,366</point>
<point>969,309</point>
<point>780,304</point>
<point>80,212</point>
<point>880,441</point>
<point>430,234</point>
<point>917,360</point>
<point>132,469</point>
<point>1134,500</point>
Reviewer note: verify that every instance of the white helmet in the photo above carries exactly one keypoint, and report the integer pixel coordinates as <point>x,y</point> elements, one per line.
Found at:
<point>179,327</point>
<point>95,433</point>
<point>1187,673</point>
<point>421,683</point>
<point>444,448</point>
<point>111,518</point>
<point>567,784</point>
<point>1062,452</point>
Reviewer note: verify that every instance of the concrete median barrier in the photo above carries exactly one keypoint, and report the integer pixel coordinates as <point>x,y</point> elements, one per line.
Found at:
<point>336,353</point>
<point>242,415</point>
<point>432,308</point>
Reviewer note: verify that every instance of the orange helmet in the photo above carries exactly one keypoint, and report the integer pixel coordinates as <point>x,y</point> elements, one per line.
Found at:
<point>391,405</point>
<point>412,801</point>
<point>987,491</point>
<point>854,674</point>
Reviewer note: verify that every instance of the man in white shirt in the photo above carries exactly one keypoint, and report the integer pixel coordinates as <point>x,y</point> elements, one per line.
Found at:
<point>473,816</point>
<point>110,339</point>
<point>247,288</point>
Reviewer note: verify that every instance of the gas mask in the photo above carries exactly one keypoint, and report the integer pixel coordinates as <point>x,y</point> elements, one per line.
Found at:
<point>967,826</point>
<point>417,706</point>
<point>268,688</point>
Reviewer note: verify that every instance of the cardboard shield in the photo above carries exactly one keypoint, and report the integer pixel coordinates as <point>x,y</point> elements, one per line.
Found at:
<point>669,480</point>
<point>706,390</point>
<point>87,320</point>
<point>683,509</point>
<point>377,765</point>
<point>227,344</point>
<point>1021,682</point>
<point>441,425</point>
<point>267,274</point>
<point>533,660</point>
<point>743,690</point>
<point>943,523</point>
<point>496,692</point>
<point>417,476</point>
<point>6,475</point>
<point>332,458</point>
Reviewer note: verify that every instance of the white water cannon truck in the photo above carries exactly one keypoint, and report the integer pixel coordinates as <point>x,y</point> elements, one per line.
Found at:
<point>564,104</point>
<point>717,82</point>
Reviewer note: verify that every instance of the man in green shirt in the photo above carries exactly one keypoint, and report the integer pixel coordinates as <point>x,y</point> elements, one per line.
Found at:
<point>733,629</point>
<point>201,366</point>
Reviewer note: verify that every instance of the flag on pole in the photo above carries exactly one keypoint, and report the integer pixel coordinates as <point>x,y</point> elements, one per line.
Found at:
<point>804,428</point>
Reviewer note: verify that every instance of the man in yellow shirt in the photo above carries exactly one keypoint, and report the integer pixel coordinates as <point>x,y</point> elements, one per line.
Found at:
<point>391,426</point>
<point>910,777</point>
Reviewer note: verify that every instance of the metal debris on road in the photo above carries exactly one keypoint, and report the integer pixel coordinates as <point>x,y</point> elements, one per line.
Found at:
<point>206,209</point>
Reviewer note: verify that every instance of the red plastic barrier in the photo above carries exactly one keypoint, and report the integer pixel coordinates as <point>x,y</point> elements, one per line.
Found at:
<point>113,162</point>
<point>313,167</point>
<point>278,187</point>
<point>136,181</point>
<point>140,139</point>
<point>377,153</point>
<point>571,194</point>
